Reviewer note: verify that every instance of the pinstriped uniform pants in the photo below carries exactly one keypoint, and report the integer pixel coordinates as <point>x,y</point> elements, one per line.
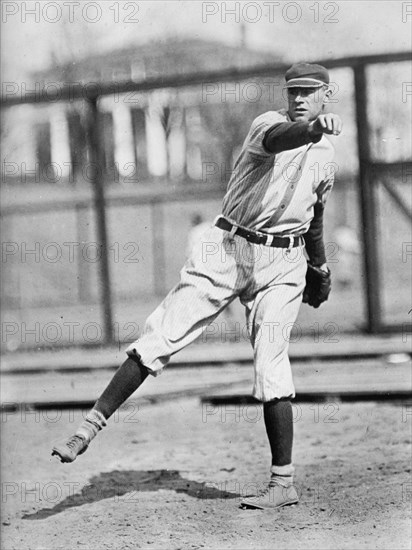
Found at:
<point>268,281</point>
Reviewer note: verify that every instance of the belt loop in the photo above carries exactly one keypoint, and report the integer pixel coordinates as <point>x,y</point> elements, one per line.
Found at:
<point>291,239</point>
<point>233,230</point>
<point>269,240</point>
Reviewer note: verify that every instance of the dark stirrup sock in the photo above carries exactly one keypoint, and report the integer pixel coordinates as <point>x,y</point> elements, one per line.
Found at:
<point>278,417</point>
<point>128,377</point>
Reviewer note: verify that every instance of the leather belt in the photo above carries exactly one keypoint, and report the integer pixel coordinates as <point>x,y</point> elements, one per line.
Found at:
<point>259,238</point>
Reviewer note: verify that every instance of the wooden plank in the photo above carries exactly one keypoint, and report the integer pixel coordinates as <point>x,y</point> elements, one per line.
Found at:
<point>75,360</point>
<point>349,379</point>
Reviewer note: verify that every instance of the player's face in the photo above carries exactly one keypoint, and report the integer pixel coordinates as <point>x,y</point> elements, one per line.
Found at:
<point>305,104</point>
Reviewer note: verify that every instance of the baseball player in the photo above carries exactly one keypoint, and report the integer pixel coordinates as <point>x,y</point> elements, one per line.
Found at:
<point>273,207</point>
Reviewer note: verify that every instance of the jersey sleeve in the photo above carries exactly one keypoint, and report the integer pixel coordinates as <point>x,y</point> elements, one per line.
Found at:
<point>315,247</point>
<point>284,136</point>
<point>257,132</point>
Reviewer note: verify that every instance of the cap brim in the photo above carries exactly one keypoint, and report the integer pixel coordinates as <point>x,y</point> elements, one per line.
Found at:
<point>305,83</point>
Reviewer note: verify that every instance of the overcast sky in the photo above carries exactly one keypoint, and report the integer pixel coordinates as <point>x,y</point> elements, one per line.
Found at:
<point>294,30</point>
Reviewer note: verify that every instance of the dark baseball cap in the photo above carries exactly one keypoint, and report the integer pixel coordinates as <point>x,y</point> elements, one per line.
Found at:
<point>306,75</point>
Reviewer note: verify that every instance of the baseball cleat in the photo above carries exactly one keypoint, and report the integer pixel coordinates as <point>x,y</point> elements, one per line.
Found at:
<point>274,496</point>
<point>69,450</point>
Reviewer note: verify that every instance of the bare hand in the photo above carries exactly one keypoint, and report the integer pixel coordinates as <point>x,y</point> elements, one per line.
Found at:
<point>326,124</point>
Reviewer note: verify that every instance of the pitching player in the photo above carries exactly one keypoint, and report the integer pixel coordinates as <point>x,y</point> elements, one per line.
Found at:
<point>254,251</point>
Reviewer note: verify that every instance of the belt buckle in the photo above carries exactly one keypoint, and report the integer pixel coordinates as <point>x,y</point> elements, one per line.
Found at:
<point>262,238</point>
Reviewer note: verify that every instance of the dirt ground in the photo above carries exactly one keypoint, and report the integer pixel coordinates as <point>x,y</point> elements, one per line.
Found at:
<point>172,475</point>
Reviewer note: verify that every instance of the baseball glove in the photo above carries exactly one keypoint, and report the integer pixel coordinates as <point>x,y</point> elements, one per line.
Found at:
<point>318,285</point>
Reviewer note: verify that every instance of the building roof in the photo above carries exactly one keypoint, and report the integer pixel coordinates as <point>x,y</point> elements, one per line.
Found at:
<point>166,57</point>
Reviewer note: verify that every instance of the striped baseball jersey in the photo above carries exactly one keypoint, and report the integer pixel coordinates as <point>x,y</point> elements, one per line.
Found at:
<point>276,193</point>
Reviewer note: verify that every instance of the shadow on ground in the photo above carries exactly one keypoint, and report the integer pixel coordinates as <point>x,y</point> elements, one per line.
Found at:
<point>130,482</point>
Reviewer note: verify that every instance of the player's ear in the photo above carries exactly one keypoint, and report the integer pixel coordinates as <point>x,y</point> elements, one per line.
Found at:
<point>328,93</point>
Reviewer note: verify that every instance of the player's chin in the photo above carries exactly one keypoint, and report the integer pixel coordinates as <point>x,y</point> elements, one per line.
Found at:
<point>301,116</point>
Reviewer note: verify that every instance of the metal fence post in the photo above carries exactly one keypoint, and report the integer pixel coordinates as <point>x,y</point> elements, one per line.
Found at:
<point>367,204</point>
<point>158,248</point>
<point>97,182</point>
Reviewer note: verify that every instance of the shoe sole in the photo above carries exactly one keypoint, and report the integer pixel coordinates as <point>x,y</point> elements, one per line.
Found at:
<point>251,505</point>
<point>64,458</point>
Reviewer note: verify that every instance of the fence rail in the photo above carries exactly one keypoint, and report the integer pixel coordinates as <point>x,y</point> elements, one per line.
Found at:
<point>74,91</point>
